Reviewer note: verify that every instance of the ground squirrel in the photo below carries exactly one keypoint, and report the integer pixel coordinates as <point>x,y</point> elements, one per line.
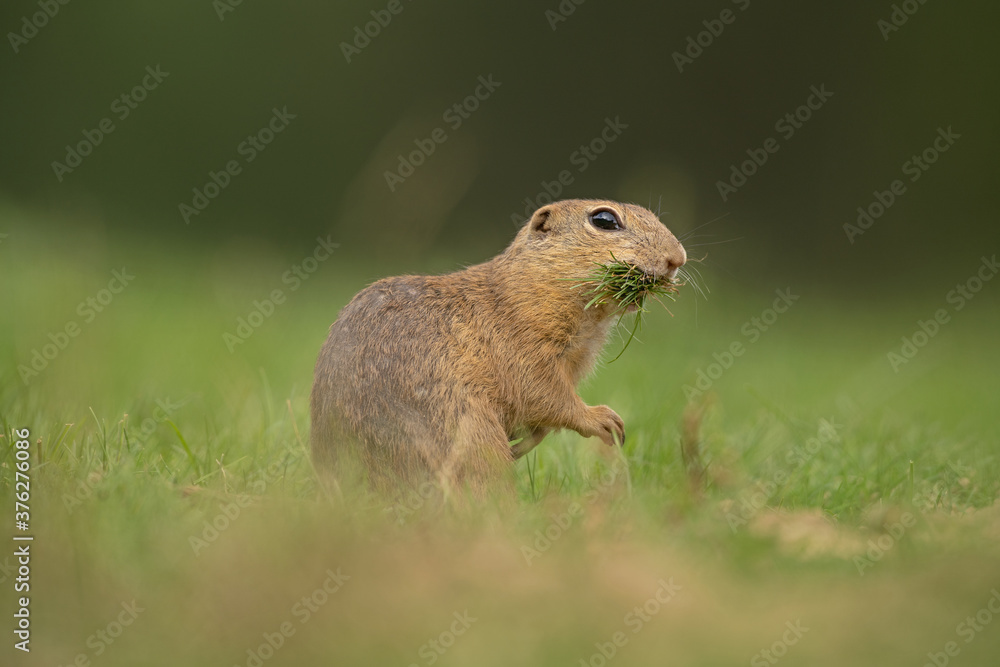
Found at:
<point>436,375</point>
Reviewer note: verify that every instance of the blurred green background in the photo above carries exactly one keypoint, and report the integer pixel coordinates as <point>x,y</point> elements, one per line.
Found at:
<point>606,60</point>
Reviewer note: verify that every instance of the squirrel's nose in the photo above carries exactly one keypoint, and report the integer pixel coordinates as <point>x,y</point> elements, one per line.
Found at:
<point>675,260</point>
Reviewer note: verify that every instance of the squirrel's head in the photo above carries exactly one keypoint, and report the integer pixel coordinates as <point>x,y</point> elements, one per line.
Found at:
<point>575,235</point>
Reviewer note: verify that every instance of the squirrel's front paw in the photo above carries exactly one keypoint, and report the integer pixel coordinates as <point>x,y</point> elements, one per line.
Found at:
<point>608,426</point>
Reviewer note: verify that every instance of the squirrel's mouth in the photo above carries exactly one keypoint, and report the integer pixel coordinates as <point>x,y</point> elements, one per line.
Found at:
<point>626,286</point>
<point>622,288</point>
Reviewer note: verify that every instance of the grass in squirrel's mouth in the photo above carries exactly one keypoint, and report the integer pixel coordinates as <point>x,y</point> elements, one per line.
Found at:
<point>626,286</point>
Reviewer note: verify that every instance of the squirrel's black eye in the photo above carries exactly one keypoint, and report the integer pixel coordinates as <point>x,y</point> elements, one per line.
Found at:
<point>605,220</point>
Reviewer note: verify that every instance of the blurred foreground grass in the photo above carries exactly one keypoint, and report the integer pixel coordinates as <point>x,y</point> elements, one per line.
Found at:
<point>824,509</point>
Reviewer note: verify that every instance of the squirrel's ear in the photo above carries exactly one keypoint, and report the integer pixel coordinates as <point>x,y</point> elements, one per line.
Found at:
<point>540,220</point>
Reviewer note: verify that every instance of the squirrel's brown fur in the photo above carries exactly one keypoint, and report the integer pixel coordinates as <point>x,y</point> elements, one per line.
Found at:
<point>435,375</point>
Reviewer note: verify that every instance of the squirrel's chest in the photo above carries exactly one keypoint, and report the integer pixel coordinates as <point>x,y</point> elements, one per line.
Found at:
<point>585,347</point>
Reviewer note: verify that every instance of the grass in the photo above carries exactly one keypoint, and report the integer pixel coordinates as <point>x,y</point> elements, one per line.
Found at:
<point>169,471</point>
<point>626,287</point>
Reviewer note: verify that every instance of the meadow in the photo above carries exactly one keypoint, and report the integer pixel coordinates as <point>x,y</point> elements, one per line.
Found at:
<point>787,492</point>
